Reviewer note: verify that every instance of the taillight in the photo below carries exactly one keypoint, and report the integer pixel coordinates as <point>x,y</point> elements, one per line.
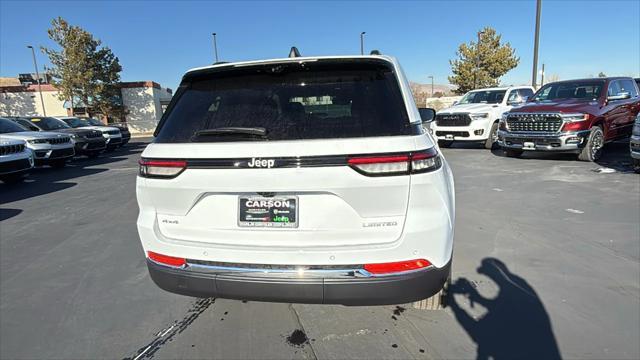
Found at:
<point>397,267</point>
<point>161,168</point>
<point>397,164</point>
<point>166,259</point>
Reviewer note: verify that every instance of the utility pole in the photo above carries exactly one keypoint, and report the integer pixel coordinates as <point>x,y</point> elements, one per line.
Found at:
<point>542,76</point>
<point>362,42</point>
<point>535,44</point>
<point>431,77</point>
<point>215,46</point>
<point>35,65</point>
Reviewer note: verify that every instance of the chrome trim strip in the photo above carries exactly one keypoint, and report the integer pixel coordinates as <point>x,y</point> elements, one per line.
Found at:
<point>299,272</point>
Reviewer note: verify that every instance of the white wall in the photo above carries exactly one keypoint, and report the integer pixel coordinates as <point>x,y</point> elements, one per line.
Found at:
<point>144,108</point>
<point>28,103</point>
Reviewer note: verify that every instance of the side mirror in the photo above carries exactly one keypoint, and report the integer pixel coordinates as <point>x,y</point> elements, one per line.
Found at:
<point>620,96</point>
<point>454,103</point>
<point>427,114</point>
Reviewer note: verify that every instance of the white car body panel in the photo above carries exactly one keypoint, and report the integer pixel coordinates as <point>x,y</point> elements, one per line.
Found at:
<point>494,112</point>
<point>26,154</point>
<point>32,135</point>
<point>344,217</point>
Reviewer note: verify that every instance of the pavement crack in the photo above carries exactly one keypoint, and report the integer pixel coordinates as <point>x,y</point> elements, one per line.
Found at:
<point>163,336</point>
<point>301,327</point>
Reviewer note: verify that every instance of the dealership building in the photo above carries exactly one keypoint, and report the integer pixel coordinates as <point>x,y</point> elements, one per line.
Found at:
<point>143,102</point>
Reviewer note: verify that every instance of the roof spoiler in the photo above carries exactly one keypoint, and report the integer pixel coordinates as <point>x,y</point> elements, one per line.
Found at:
<point>375,52</point>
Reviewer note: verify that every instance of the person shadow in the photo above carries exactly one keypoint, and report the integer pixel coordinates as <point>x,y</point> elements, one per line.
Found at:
<point>515,325</point>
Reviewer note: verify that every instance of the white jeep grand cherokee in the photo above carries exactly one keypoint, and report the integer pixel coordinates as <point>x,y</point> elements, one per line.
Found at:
<point>476,116</point>
<point>305,179</point>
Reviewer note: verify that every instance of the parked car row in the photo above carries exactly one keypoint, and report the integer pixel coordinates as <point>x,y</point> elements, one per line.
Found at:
<point>573,116</point>
<point>26,142</point>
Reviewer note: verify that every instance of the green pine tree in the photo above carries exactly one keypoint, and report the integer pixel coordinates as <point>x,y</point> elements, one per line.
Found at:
<point>481,65</point>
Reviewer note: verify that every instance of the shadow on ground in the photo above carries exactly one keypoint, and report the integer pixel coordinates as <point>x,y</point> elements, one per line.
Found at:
<point>46,180</point>
<point>515,324</point>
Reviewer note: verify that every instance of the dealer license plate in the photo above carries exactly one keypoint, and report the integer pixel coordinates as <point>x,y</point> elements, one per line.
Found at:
<point>258,211</point>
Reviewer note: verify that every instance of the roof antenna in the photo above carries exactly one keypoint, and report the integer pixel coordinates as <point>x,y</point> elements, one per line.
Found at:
<point>294,53</point>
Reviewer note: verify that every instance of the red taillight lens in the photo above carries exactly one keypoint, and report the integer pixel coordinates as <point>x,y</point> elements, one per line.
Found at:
<point>161,168</point>
<point>396,164</point>
<point>166,260</point>
<point>396,267</point>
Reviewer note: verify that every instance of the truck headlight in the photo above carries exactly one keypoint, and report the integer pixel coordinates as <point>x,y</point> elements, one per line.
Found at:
<point>575,117</point>
<point>479,116</point>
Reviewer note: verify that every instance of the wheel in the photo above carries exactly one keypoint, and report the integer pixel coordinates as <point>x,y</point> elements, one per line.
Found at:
<point>444,143</point>
<point>636,165</point>
<point>593,149</point>
<point>58,163</point>
<point>492,140</point>
<point>13,178</point>
<point>513,153</point>
<point>437,301</point>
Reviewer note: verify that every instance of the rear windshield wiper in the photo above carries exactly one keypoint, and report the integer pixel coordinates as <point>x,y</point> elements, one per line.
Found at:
<point>250,132</point>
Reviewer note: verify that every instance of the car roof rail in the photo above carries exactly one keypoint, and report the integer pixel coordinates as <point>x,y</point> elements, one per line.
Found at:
<point>375,52</point>
<point>294,53</point>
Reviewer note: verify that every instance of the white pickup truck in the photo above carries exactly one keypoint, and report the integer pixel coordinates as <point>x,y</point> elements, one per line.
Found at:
<point>475,117</point>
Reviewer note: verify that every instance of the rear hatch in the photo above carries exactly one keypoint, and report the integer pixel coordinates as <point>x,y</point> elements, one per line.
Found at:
<point>304,154</point>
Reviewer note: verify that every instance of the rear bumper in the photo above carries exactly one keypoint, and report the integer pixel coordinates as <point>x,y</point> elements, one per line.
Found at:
<point>395,289</point>
<point>562,142</point>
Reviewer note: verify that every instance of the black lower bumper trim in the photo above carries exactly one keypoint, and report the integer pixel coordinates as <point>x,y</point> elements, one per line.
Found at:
<point>398,289</point>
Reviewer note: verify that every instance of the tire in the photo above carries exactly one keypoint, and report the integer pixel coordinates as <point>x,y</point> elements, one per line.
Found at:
<point>492,140</point>
<point>58,163</point>
<point>593,149</point>
<point>513,153</point>
<point>13,178</point>
<point>445,143</point>
<point>437,301</point>
<point>636,165</point>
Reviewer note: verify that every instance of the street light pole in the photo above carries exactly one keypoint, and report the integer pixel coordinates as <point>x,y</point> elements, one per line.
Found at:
<point>215,46</point>
<point>535,44</point>
<point>362,42</point>
<point>542,76</point>
<point>35,65</point>
<point>475,73</point>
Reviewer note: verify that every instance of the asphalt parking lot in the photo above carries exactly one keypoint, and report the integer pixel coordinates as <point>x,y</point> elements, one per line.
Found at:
<point>546,265</point>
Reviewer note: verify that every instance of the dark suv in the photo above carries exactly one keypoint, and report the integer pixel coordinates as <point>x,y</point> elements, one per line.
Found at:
<point>574,116</point>
<point>87,142</point>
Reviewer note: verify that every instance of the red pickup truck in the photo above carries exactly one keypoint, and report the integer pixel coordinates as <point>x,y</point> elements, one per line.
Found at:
<point>574,116</point>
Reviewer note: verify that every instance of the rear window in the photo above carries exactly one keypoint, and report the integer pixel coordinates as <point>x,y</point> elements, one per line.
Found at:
<point>312,100</point>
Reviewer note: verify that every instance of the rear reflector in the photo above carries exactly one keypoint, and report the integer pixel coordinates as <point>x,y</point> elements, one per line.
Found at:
<point>397,164</point>
<point>166,260</point>
<point>161,168</point>
<point>397,267</point>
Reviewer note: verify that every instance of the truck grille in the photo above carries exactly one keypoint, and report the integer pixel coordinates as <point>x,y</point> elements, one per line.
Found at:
<point>453,119</point>
<point>533,122</point>
<point>11,149</point>
<point>58,140</point>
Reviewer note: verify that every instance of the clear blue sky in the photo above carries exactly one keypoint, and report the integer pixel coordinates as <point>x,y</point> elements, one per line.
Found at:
<point>159,40</point>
